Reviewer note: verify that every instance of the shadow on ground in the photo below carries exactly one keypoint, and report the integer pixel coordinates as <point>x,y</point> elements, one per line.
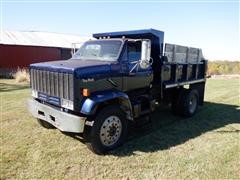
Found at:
<point>6,87</point>
<point>167,130</point>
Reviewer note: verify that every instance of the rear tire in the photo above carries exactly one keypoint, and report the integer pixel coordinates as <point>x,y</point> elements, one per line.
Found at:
<point>45,124</point>
<point>186,104</point>
<point>109,130</point>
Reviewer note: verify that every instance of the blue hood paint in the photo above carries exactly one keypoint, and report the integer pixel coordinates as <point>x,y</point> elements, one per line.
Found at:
<point>81,68</point>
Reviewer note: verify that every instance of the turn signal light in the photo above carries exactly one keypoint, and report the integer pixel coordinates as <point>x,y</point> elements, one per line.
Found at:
<point>86,92</point>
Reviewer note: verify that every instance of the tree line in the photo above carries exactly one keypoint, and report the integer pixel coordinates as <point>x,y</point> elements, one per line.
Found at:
<point>223,67</point>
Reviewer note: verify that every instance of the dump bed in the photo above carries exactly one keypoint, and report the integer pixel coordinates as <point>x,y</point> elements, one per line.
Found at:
<point>182,65</point>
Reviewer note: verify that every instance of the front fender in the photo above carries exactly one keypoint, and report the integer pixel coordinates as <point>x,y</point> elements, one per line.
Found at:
<point>90,104</point>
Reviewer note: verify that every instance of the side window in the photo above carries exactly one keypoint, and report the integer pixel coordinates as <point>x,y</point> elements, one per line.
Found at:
<point>134,51</point>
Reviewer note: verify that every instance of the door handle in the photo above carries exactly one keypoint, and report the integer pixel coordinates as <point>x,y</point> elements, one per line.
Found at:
<point>131,74</point>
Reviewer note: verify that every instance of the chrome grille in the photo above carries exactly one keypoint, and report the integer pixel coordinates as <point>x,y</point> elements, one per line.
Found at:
<point>56,84</point>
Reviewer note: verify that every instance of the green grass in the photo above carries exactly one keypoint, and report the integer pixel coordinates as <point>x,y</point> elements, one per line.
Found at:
<point>206,146</point>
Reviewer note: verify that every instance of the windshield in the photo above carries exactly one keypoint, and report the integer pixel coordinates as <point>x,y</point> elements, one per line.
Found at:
<point>105,50</point>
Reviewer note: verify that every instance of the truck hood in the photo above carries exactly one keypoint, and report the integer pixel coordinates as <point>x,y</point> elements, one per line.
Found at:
<point>81,68</point>
<point>69,65</point>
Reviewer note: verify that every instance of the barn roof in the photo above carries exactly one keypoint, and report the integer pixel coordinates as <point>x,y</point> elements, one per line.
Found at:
<point>36,38</point>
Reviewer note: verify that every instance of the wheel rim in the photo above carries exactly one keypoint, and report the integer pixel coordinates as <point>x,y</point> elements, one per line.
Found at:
<point>110,131</point>
<point>192,104</point>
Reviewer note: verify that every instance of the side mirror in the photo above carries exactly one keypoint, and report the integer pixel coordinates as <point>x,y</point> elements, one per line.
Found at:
<point>145,54</point>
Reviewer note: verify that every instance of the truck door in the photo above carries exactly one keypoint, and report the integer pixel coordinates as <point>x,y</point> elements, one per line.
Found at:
<point>135,77</point>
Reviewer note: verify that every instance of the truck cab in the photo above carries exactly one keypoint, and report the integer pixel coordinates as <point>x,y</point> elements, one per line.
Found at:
<point>122,56</point>
<point>114,79</point>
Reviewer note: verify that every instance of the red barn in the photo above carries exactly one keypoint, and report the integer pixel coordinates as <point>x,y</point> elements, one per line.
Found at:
<point>19,49</point>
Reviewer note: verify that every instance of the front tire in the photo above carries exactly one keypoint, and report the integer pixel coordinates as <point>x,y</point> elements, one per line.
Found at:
<point>109,130</point>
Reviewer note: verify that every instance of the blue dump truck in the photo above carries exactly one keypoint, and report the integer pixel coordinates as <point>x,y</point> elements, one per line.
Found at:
<point>113,80</point>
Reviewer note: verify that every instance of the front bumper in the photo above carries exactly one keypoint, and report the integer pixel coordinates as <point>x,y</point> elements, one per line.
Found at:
<point>63,121</point>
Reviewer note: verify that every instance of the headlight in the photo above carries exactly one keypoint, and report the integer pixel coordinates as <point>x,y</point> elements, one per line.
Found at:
<point>34,93</point>
<point>67,104</point>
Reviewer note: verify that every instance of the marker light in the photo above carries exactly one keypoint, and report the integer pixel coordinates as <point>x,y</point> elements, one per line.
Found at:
<point>86,92</point>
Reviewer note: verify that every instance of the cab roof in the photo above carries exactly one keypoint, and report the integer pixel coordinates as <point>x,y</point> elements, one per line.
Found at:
<point>154,35</point>
<point>135,34</point>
